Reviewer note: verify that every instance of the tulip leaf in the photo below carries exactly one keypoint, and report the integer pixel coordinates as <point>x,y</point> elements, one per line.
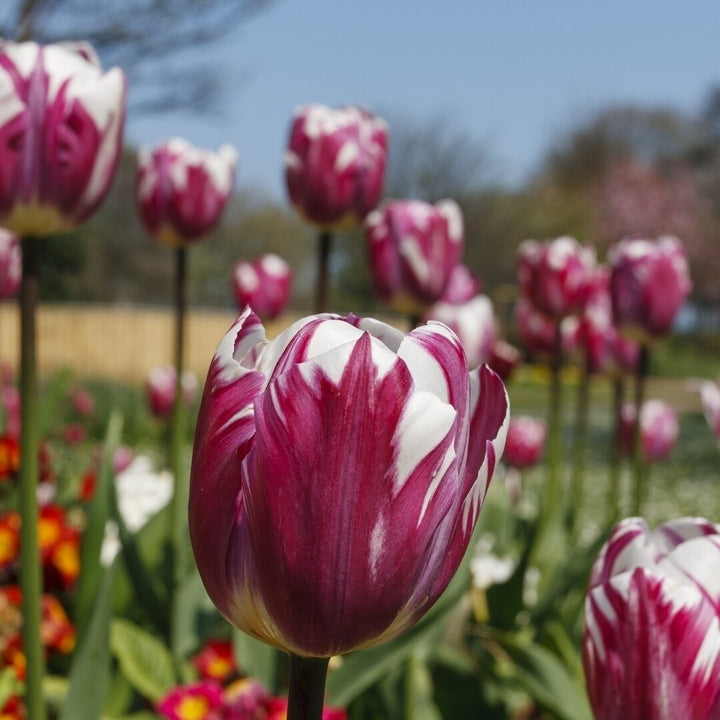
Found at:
<point>143,659</point>
<point>258,659</point>
<point>419,703</point>
<point>55,690</point>
<point>90,670</point>
<point>97,515</point>
<point>545,678</point>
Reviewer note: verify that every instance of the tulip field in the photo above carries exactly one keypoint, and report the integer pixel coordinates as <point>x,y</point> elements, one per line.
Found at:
<point>427,516</point>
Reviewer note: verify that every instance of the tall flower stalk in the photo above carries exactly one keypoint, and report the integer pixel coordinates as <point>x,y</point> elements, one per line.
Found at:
<point>65,118</point>
<point>640,469</point>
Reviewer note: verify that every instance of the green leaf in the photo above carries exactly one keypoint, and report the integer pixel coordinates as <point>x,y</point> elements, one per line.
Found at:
<point>97,516</point>
<point>9,685</point>
<point>546,679</point>
<point>90,669</point>
<point>419,703</point>
<point>258,659</point>
<point>143,659</point>
<point>55,690</point>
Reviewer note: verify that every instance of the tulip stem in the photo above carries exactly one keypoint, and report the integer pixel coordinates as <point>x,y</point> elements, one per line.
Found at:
<point>307,687</point>
<point>30,570</point>
<point>640,467</point>
<point>579,450</point>
<point>177,435</point>
<point>323,271</point>
<point>618,395</point>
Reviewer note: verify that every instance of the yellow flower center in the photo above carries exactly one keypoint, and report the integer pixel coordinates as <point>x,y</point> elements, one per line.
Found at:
<point>66,559</point>
<point>193,708</point>
<point>48,532</point>
<point>8,546</point>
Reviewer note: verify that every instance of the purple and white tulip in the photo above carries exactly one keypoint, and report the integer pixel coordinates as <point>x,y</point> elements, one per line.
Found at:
<point>462,286</point>
<point>61,134</point>
<point>335,164</point>
<point>556,277</point>
<point>659,429</point>
<point>10,264</point>
<point>710,399</point>
<point>337,474</point>
<point>264,284</point>
<point>648,285</point>
<point>651,649</point>
<point>474,324</point>
<point>525,441</point>
<point>161,386</point>
<point>182,190</point>
<point>414,247</point>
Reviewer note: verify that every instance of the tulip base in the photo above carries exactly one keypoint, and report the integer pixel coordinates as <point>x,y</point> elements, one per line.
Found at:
<point>307,687</point>
<point>323,271</point>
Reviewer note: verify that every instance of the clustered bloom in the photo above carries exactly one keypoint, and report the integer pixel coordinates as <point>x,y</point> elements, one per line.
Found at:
<point>473,322</point>
<point>651,648</point>
<point>161,387</point>
<point>659,429</point>
<point>335,164</point>
<point>556,277</point>
<point>264,284</point>
<point>182,190</point>
<point>414,247</point>
<point>61,134</point>
<point>648,285</point>
<point>392,444</point>
<point>216,661</point>
<point>525,441</point>
<point>10,264</point>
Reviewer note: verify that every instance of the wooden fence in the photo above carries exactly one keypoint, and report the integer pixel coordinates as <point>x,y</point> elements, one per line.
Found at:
<point>117,342</point>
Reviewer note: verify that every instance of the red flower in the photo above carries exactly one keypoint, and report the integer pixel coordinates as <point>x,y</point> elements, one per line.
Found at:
<point>199,701</point>
<point>9,457</point>
<point>9,539</point>
<point>277,710</point>
<point>216,661</point>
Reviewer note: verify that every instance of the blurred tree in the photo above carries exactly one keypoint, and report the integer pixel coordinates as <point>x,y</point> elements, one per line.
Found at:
<point>152,40</point>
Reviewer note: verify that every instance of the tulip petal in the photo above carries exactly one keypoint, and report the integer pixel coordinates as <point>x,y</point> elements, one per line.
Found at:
<point>337,503</point>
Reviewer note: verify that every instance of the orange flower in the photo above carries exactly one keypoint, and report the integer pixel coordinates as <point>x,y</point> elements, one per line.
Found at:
<point>9,539</point>
<point>9,457</point>
<point>216,661</point>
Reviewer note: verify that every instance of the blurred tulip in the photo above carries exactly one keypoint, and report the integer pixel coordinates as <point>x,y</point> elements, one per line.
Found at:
<point>556,276</point>
<point>474,324</point>
<point>538,332</point>
<point>10,264</point>
<point>83,403</point>
<point>710,399</point>
<point>414,248</point>
<point>659,429</point>
<point>160,390</point>
<point>182,190</point>
<point>10,401</point>
<point>648,285</point>
<point>335,164</point>
<point>651,649</point>
<point>61,126</point>
<point>264,284</point>
<point>504,358</point>
<point>462,286</point>
<point>334,488</point>
<point>525,441</point>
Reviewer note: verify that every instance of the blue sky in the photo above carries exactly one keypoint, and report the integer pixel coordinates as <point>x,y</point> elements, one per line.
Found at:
<point>514,74</point>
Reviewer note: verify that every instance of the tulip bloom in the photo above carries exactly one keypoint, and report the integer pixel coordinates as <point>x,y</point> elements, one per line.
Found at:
<point>525,441</point>
<point>539,333</point>
<point>337,475</point>
<point>504,358</point>
<point>414,248</point>
<point>335,164</point>
<point>651,649</point>
<point>710,399</point>
<point>264,284</point>
<point>161,386</point>
<point>463,285</point>
<point>61,132</point>
<point>182,190</point>
<point>649,283</point>
<point>10,264</point>
<point>556,277</point>
<point>474,324</point>
<point>659,429</point>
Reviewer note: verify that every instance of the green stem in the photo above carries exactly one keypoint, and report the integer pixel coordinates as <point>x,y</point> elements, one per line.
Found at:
<point>30,570</point>
<point>177,437</point>
<point>552,500</point>
<point>618,394</point>
<point>323,271</point>
<point>639,464</point>
<point>577,486</point>
<point>306,687</point>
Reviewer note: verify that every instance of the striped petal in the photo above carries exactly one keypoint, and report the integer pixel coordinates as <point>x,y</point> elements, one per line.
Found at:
<point>327,480</point>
